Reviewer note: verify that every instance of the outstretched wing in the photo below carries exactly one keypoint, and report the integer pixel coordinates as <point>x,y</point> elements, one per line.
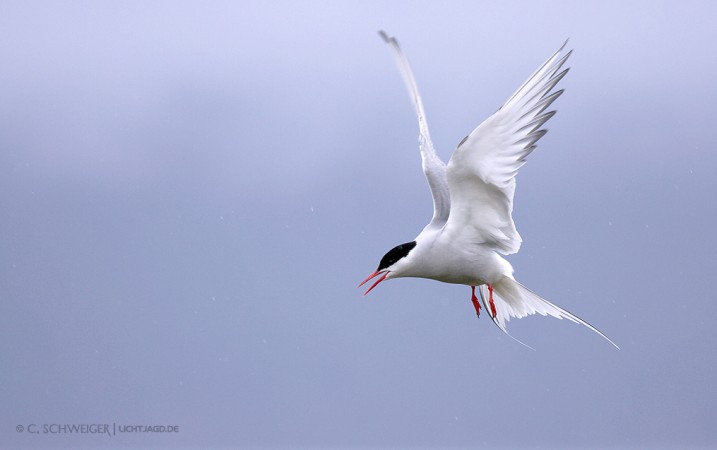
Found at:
<point>482,170</point>
<point>433,167</point>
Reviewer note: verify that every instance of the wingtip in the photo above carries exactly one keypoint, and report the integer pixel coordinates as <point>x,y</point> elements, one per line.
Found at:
<point>564,45</point>
<point>386,38</point>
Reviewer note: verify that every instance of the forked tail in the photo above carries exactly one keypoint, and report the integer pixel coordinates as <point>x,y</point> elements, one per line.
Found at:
<point>512,299</point>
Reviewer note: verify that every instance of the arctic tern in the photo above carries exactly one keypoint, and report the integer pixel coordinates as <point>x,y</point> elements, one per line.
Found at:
<point>472,224</point>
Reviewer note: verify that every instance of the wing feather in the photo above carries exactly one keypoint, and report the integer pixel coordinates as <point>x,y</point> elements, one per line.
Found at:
<point>482,170</point>
<point>433,168</point>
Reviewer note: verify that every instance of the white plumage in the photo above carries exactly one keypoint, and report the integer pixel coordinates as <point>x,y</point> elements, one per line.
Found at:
<point>472,225</point>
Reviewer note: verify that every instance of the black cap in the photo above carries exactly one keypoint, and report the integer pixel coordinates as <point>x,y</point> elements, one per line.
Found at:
<point>395,254</point>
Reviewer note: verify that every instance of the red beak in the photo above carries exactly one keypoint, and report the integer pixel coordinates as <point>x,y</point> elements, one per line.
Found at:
<point>384,274</point>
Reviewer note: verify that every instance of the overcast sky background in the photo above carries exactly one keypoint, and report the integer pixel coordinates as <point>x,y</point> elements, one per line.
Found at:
<point>191,191</point>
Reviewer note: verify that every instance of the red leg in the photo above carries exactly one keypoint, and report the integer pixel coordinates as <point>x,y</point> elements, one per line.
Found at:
<point>474,299</point>
<point>490,301</point>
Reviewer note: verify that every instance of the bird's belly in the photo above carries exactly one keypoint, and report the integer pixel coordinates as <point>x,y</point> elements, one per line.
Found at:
<point>459,275</point>
<point>459,266</point>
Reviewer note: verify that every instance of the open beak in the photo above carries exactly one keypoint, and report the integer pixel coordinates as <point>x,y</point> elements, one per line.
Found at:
<point>383,273</point>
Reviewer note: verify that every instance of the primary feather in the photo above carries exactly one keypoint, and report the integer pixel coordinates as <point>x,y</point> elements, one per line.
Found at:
<point>433,167</point>
<point>482,170</point>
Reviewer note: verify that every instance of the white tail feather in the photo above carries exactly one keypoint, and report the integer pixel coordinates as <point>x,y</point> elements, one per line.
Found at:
<point>512,299</point>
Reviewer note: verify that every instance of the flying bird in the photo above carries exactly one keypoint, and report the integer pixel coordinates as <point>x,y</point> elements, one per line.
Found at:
<point>472,227</point>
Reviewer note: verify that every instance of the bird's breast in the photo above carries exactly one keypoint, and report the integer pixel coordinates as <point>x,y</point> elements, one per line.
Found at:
<point>470,265</point>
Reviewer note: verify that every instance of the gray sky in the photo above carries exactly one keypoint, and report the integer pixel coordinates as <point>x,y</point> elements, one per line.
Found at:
<point>190,193</point>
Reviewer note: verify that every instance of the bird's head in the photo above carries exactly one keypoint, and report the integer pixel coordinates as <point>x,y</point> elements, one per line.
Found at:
<point>390,265</point>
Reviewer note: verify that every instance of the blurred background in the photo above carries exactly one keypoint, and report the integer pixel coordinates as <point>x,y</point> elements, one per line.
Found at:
<point>191,191</point>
